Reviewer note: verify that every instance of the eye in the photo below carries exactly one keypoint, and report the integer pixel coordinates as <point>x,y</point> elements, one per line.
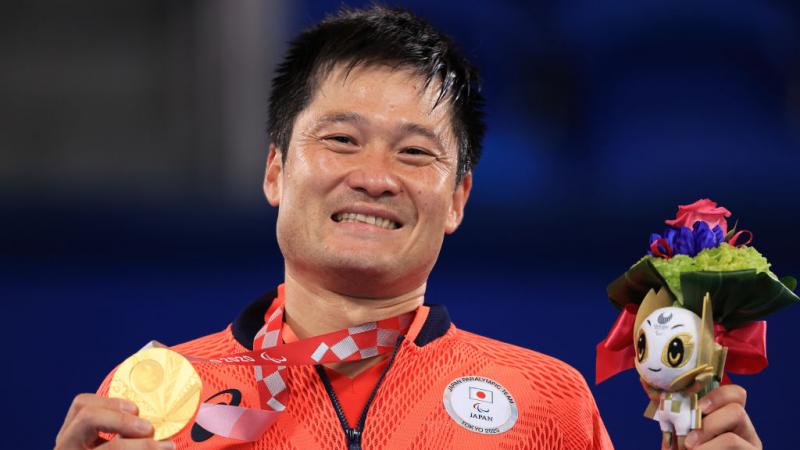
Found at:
<point>416,151</point>
<point>341,139</point>
<point>417,156</point>
<point>641,346</point>
<point>678,351</point>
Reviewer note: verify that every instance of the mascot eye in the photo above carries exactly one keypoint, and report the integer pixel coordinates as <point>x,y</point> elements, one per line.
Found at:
<point>641,347</point>
<point>675,352</point>
<point>678,351</point>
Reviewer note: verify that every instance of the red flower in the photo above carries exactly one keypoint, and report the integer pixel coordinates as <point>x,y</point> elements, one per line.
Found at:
<point>702,210</point>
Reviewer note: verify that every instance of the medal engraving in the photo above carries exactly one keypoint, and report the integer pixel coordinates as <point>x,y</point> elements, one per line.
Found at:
<point>163,384</point>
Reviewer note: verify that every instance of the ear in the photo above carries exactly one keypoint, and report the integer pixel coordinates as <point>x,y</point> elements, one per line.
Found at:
<point>273,181</point>
<point>460,197</point>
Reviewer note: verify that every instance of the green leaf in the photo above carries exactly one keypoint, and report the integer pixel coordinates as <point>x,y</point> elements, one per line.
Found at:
<point>633,285</point>
<point>790,283</point>
<point>731,232</point>
<point>737,297</point>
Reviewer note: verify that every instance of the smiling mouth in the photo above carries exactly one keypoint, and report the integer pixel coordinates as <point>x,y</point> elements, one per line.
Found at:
<point>365,218</point>
<point>654,370</point>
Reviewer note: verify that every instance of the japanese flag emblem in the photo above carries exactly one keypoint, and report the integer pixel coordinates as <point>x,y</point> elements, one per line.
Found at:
<point>481,395</point>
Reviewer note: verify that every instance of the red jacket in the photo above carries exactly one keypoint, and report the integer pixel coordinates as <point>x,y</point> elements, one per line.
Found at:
<point>554,405</point>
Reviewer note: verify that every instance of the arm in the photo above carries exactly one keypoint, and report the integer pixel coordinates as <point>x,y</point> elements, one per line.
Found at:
<point>655,396</point>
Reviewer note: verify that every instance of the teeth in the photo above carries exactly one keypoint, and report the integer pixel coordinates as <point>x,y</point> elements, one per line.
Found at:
<point>363,218</point>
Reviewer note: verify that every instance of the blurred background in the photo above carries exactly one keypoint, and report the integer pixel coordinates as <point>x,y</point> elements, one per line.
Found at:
<point>132,145</point>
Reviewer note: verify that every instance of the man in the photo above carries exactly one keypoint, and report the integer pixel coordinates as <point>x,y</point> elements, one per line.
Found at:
<point>375,125</point>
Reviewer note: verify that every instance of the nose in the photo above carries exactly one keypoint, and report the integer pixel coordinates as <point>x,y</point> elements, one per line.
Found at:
<point>373,175</point>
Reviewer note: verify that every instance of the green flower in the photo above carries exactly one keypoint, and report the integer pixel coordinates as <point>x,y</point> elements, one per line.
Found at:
<point>724,258</point>
<point>742,287</point>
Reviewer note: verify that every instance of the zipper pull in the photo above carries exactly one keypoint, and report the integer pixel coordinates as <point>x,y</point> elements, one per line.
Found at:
<point>353,439</point>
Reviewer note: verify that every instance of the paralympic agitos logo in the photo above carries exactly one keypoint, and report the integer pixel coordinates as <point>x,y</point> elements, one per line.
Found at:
<point>265,356</point>
<point>245,359</point>
<point>200,434</point>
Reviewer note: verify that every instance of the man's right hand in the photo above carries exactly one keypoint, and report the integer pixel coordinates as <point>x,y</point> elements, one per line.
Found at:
<point>91,414</point>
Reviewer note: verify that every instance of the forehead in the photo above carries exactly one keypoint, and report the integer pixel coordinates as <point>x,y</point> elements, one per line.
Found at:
<point>671,315</point>
<point>388,95</point>
<point>666,321</point>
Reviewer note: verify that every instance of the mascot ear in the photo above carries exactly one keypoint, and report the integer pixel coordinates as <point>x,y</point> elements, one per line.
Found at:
<point>652,301</point>
<point>709,351</point>
<point>705,351</point>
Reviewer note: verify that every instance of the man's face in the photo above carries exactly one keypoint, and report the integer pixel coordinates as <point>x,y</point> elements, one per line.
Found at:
<point>368,189</point>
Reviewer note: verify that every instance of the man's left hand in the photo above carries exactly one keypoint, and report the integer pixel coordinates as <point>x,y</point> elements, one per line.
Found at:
<point>725,422</point>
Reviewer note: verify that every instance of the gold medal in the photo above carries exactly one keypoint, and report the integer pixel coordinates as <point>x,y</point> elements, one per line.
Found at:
<point>163,384</point>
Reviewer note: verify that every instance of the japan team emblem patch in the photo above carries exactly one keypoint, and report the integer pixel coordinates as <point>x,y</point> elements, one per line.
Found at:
<point>480,404</point>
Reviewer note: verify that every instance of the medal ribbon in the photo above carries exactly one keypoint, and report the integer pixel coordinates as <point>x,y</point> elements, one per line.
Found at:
<point>270,357</point>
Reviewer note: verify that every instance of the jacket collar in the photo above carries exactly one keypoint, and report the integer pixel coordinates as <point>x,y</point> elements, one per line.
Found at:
<point>251,319</point>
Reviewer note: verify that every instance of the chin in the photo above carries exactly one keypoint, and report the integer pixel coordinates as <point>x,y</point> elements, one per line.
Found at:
<point>370,278</point>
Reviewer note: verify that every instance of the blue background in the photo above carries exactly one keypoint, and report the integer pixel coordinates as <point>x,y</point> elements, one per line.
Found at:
<point>603,117</point>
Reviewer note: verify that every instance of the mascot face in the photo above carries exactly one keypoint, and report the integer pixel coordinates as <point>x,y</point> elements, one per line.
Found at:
<point>666,345</point>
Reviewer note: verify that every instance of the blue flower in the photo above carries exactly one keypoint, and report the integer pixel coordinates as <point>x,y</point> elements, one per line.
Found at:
<point>684,242</point>
<point>706,238</point>
<point>688,241</point>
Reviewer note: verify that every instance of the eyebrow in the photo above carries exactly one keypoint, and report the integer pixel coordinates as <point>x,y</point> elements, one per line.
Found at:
<point>337,117</point>
<point>676,326</point>
<point>648,322</point>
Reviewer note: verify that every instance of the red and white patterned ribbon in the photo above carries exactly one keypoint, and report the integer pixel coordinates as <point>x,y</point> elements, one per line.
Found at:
<point>270,357</point>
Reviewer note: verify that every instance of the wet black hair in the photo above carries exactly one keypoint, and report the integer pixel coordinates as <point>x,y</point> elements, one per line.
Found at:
<point>379,35</point>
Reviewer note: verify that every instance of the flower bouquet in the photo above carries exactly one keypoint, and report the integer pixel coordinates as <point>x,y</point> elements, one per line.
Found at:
<point>698,254</point>
<point>690,312</point>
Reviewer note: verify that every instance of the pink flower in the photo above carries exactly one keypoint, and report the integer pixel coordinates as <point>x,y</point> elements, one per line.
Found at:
<point>702,210</point>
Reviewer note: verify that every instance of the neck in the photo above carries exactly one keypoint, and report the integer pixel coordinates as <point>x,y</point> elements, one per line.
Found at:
<point>312,310</point>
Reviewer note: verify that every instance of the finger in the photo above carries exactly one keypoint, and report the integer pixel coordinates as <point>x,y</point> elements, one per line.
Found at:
<point>729,419</point>
<point>728,441</point>
<point>136,444</point>
<point>83,400</point>
<point>721,396</point>
<point>90,420</point>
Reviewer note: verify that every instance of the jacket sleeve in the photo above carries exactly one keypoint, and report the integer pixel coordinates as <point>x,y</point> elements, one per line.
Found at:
<point>580,419</point>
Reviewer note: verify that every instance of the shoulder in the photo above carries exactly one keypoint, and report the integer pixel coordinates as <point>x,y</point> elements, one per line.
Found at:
<point>547,375</point>
<point>210,345</point>
<point>526,360</point>
<point>547,390</point>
